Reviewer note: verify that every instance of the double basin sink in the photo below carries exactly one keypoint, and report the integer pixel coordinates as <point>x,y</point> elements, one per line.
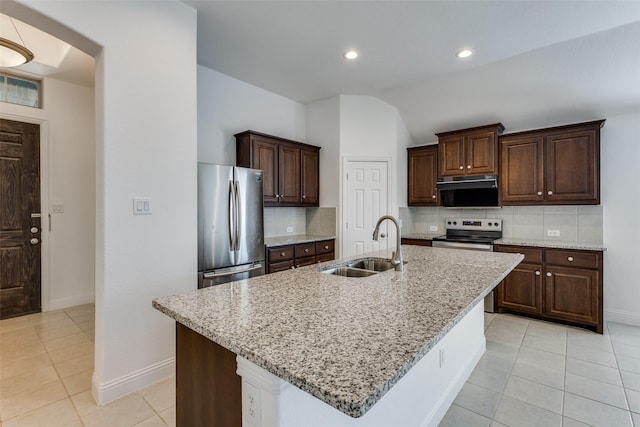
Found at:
<point>361,267</point>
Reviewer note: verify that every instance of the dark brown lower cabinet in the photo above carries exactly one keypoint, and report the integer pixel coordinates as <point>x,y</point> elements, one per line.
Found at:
<point>208,390</point>
<point>554,284</point>
<point>286,257</point>
<point>415,242</point>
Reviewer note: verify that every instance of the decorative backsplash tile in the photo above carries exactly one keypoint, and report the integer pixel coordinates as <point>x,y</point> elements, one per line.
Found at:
<point>312,221</point>
<point>574,223</point>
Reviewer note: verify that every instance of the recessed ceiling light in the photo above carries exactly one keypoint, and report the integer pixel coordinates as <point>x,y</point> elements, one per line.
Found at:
<point>351,54</point>
<point>464,53</point>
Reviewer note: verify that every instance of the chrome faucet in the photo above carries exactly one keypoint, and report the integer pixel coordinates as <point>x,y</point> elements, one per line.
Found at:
<point>396,256</point>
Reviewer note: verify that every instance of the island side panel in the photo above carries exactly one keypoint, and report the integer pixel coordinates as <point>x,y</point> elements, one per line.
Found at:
<point>208,390</point>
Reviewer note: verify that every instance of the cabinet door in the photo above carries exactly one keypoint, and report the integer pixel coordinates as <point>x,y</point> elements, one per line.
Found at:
<point>480,153</point>
<point>451,155</point>
<point>572,167</point>
<point>265,157</point>
<point>422,174</point>
<point>289,174</point>
<point>309,177</point>
<point>521,171</point>
<point>572,294</point>
<point>521,290</point>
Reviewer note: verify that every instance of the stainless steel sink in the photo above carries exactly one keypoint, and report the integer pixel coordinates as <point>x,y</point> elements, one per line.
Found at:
<point>349,272</point>
<point>364,267</point>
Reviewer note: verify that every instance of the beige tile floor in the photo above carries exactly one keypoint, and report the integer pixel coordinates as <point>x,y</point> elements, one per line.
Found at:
<point>46,363</point>
<point>541,374</point>
<point>533,374</point>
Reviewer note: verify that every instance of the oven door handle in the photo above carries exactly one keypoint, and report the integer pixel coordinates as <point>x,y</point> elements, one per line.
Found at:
<point>459,245</point>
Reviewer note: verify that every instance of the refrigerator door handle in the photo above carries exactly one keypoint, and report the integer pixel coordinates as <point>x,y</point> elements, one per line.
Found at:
<point>231,216</point>
<point>238,214</point>
<point>231,273</point>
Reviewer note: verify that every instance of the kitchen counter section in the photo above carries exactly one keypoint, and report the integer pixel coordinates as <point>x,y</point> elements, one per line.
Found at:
<point>346,341</point>
<point>421,236</point>
<point>271,242</point>
<point>551,244</point>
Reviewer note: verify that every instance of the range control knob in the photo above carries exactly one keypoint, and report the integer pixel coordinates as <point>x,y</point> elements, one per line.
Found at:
<point>455,223</point>
<point>449,222</point>
<point>496,224</point>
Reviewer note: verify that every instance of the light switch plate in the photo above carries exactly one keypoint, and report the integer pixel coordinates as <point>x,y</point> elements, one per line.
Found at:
<point>142,206</point>
<point>289,229</point>
<point>553,233</point>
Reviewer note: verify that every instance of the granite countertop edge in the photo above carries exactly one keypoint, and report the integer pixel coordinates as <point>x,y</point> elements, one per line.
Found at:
<point>583,246</point>
<point>294,239</point>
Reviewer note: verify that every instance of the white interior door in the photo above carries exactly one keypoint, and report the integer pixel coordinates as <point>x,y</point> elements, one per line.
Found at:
<point>366,200</point>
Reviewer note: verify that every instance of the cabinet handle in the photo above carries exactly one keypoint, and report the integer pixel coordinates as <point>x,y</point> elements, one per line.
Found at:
<point>277,195</point>
<point>282,253</point>
<point>293,266</point>
<point>306,249</point>
<point>537,272</point>
<point>548,274</point>
<point>433,197</point>
<point>326,246</point>
<point>468,166</point>
<point>570,259</point>
<point>461,167</point>
<point>539,193</point>
<point>304,197</point>
<point>550,193</point>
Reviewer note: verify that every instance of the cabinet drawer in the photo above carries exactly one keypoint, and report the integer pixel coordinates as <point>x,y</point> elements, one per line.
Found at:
<point>573,258</point>
<point>280,253</point>
<point>280,266</point>
<point>309,260</point>
<point>415,242</point>
<point>325,247</point>
<point>325,257</point>
<point>305,249</point>
<point>531,255</point>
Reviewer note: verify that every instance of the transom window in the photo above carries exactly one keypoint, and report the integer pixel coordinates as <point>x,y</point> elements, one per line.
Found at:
<point>20,90</point>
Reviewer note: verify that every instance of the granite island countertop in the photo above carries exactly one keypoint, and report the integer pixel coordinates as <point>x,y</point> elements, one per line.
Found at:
<point>346,341</point>
<point>294,239</point>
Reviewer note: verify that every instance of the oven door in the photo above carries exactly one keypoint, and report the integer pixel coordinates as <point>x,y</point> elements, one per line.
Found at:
<point>485,247</point>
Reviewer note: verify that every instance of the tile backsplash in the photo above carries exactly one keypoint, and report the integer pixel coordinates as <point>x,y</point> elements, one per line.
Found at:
<point>313,221</point>
<point>574,223</point>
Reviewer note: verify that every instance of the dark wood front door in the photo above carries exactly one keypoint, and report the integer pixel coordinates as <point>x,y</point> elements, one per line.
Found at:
<point>19,218</point>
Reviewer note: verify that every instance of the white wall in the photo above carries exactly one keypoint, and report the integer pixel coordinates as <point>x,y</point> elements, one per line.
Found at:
<point>227,106</point>
<point>67,177</point>
<point>620,151</point>
<point>146,145</point>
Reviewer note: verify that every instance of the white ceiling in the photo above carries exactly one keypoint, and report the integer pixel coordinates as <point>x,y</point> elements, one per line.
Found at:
<point>536,63</point>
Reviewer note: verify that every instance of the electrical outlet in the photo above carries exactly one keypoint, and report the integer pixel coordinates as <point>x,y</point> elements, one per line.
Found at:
<point>441,354</point>
<point>289,229</point>
<point>433,228</point>
<point>57,208</point>
<point>553,233</point>
<point>251,405</point>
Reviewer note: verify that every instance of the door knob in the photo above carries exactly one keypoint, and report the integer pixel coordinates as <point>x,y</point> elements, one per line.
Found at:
<point>383,235</point>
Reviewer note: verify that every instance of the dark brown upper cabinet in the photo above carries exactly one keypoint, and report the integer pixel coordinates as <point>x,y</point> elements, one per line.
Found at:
<point>422,172</point>
<point>290,168</point>
<point>472,151</point>
<point>559,165</point>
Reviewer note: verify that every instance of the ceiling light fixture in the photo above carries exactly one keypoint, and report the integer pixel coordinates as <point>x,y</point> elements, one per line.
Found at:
<point>464,53</point>
<point>351,54</point>
<point>13,54</point>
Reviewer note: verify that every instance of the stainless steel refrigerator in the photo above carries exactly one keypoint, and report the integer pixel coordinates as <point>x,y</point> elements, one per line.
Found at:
<point>230,224</point>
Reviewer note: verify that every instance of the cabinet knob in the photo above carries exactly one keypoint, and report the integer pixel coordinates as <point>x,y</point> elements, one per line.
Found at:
<point>548,274</point>
<point>34,241</point>
<point>282,253</point>
<point>468,166</point>
<point>34,229</point>
<point>461,167</point>
<point>326,246</point>
<point>293,266</point>
<point>277,195</point>
<point>570,259</point>
<point>539,193</point>
<point>550,193</point>
<point>433,197</point>
<point>537,272</point>
<point>306,249</point>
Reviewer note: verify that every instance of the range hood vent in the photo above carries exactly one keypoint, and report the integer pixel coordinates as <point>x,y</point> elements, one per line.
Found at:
<point>467,182</point>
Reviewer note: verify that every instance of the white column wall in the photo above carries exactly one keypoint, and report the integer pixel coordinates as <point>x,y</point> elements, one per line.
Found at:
<point>67,177</point>
<point>146,145</point>
<point>620,196</point>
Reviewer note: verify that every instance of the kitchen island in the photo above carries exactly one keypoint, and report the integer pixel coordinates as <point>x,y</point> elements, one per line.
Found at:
<point>392,347</point>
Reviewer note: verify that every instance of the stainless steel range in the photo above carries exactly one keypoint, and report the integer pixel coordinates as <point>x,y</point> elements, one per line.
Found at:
<point>476,234</point>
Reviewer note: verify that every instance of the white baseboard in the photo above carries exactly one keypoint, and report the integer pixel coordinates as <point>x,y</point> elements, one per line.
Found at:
<point>59,303</point>
<point>620,316</point>
<point>115,389</point>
